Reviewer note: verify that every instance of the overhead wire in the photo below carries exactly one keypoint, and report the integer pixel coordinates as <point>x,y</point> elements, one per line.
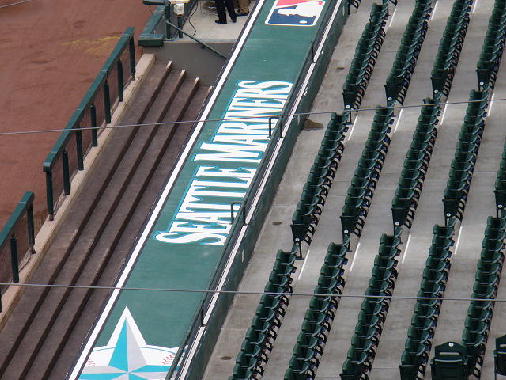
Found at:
<point>245,292</point>
<point>278,115</point>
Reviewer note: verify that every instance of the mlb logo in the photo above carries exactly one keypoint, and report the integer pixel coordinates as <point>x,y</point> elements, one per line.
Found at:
<point>295,12</point>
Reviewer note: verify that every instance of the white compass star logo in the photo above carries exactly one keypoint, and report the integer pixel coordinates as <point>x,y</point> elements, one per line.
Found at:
<point>127,356</point>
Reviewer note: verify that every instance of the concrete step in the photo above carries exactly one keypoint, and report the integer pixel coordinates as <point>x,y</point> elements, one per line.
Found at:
<point>96,299</point>
<point>76,299</point>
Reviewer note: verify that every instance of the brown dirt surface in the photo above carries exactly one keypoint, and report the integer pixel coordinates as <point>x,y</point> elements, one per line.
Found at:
<point>51,51</point>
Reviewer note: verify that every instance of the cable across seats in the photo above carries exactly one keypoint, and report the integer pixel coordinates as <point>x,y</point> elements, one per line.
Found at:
<point>360,193</point>
<point>425,316</point>
<point>269,314</point>
<point>306,215</point>
<point>366,53</point>
<point>373,311</point>
<point>486,283</point>
<point>416,164</point>
<point>319,316</point>
<point>411,44</point>
<point>462,168</point>
<point>450,47</point>
<point>492,50</point>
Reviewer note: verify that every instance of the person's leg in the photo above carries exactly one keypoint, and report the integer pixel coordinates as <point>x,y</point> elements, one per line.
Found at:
<point>220,8</point>
<point>231,11</point>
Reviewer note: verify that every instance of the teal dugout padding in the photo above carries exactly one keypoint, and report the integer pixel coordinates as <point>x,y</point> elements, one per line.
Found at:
<point>254,227</point>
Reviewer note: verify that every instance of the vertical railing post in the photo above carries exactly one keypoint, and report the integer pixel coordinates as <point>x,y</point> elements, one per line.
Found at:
<point>14,259</point>
<point>94,131</point>
<point>66,173</point>
<point>49,194</point>
<point>31,227</point>
<point>119,67</point>
<point>79,149</point>
<point>132,56</point>
<point>107,102</point>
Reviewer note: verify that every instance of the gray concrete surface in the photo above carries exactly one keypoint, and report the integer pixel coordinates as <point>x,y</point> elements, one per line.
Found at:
<point>276,232</point>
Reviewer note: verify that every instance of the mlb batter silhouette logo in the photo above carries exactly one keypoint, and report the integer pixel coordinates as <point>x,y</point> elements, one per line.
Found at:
<point>295,12</point>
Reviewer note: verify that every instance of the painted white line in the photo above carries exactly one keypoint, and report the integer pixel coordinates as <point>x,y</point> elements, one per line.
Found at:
<point>490,105</point>
<point>406,249</point>
<point>256,199</point>
<point>303,265</point>
<point>474,5</point>
<point>355,254</point>
<point>434,11</point>
<point>161,201</point>
<point>353,128</point>
<point>398,120</point>
<point>458,240</point>
<point>391,20</point>
<point>444,113</point>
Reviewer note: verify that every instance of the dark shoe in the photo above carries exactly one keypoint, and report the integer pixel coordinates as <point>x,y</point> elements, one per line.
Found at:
<point>220,22</point>
<point>234,20</point>
<point>242,14</point>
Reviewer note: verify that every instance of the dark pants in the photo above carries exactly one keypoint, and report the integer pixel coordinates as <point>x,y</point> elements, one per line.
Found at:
<point>220,7</point>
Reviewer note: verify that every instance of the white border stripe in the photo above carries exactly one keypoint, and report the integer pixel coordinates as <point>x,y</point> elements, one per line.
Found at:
<point>235,250</point>
<point>156,212</point>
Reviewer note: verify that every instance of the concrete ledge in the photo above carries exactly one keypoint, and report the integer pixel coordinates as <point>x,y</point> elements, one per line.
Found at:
<point>48,230</point>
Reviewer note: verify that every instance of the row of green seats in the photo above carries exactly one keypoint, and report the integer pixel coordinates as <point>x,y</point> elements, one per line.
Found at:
<point>459,361</point>
<point>426,312</point>
<point>411,44</point>
<point>486,282</point>
<point>450,47</point>
<point>468,144</point>
<point>319,316</point>
<point>491,53</point>
<point>416,164</point>
<point>262,333</point>
<point>306,215</point>
<point>366,53</point>
<point>367,173</point>
<point>373,311</point>
<point>500,185</point>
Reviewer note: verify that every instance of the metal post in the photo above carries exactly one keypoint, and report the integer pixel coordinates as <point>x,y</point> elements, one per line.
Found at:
<point>180,24</point>
<point>94,131</point>
<point>201,315</point>
<point>107,102</point>
<point>119,67</point>
<point>66,173</point>
<point>232,212</point>
<point>270,127</point>
<point>132,56</point>
<point>168,27</point>
<point>79,150</point>
<point>49,194</point>
<point>14,259</point>
<point>31,229</point>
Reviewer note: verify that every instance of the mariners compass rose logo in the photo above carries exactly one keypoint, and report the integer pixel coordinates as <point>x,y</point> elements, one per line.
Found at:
<point>127,356</point>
